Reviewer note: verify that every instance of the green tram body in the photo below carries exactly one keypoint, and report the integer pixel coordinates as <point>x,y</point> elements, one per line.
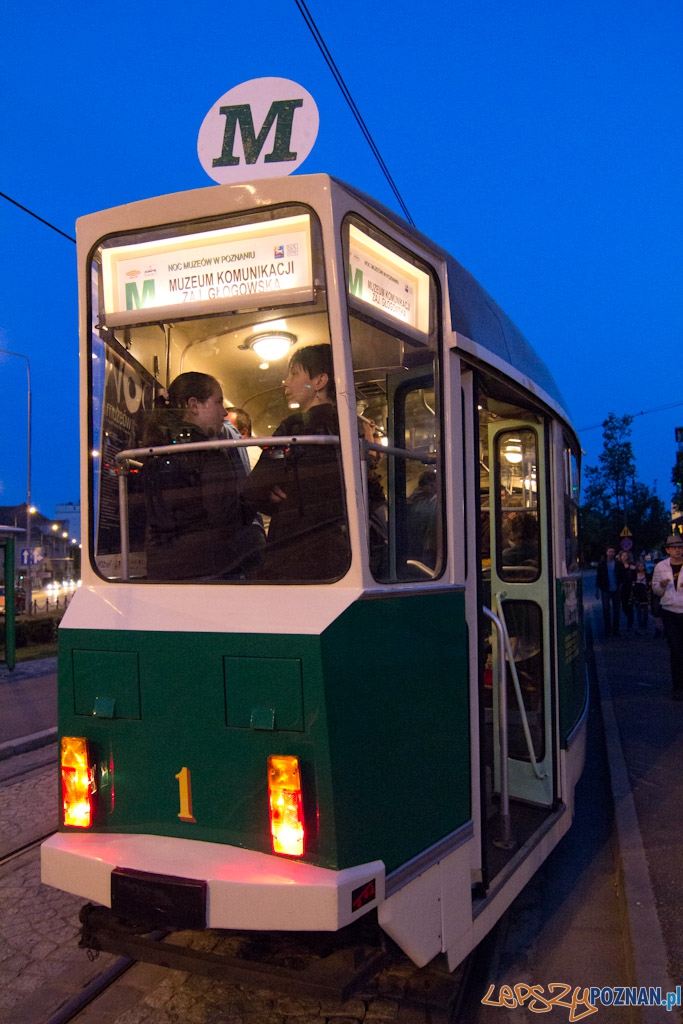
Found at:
<point>382,681</point>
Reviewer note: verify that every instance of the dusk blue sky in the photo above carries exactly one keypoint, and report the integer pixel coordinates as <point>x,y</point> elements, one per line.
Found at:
<point>539,142</point>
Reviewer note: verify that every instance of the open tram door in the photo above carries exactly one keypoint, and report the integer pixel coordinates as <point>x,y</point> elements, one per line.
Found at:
<point>517,719</point>
<point>519,596</point>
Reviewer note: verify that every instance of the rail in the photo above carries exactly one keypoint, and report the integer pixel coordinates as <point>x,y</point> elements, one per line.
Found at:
<point>404,453</point>
<point>50,604</point>
<point>505,841</point>
<point>500,597</point>
<point>131,458</point>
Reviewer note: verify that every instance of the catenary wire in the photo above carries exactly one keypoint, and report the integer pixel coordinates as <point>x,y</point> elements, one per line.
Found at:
<point>41,219</point>
<point>644,412</point>
<point>315,32</point>
<point>321,42</point>
<point>300,4</point>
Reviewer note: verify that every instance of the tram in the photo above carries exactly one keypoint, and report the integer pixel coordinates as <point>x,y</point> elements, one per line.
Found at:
<point>390,718</point>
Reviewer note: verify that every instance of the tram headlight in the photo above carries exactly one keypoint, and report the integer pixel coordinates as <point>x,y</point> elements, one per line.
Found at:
<point>286,805</point>
<point>77,782</point>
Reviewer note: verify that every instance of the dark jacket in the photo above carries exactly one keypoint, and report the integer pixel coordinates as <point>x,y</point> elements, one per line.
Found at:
<point>307,536</point>
<point>602,578</point>
<point>642,590</point>
<point>196,518</point>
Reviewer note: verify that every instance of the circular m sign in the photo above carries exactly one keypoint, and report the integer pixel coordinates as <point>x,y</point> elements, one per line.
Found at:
<point>259,129</point>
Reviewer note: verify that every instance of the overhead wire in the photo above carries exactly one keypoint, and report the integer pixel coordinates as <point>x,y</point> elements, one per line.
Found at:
<point>338,77</point>
<point>41,219</point>
<point>347,95</point>
<point>633,415</point>
<point>580,430</point>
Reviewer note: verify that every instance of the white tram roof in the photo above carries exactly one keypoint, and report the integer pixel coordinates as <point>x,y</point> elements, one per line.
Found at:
<point>477,316</point>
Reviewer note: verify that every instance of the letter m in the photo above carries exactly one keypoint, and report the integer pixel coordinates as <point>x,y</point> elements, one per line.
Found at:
<point>133,300</point>
<point>281,111</point>
<point>356,282</point>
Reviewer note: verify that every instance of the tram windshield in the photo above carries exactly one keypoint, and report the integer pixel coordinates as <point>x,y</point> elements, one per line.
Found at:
<point>214,436</point>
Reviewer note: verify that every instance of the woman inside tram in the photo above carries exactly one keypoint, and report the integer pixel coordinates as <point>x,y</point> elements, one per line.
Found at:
<point>300,486</point>
<point>197,524</point>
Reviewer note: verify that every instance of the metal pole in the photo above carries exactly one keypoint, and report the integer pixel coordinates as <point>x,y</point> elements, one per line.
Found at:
<point>20,355</point>
<point>10,625</point>
<point>505,842</point>
<point>123,516</point>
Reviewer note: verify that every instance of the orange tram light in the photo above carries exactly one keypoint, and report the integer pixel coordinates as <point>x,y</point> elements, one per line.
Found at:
<point>286,805</point>
<point>77,782</point>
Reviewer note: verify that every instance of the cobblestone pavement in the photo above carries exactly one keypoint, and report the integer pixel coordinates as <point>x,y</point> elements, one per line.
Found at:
<point>28,802</point>
<point>38,924</point>
<point>38,933</point>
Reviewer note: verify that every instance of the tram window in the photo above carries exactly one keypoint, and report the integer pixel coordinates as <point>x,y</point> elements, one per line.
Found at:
<point>208,513</point>
<point>394,343</point>
<point>571,510</point>
<point>523,620</point>
<point>518,526</point>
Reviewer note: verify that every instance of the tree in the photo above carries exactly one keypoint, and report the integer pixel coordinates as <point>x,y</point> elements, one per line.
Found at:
<point>677,481</point>
<point>617,462</point>
<point>613,498</point>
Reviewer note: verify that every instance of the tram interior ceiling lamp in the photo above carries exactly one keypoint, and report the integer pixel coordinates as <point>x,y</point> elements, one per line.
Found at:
<point>270,345</point>
<point>513,450</point>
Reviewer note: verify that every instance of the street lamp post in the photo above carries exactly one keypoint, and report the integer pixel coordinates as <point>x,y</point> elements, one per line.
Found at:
<point>20,355</point>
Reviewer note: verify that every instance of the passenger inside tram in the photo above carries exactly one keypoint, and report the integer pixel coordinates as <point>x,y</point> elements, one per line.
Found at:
<point>422,519</point>
<point>241,422</point>
<point>300,486</point>
<point>522,540</point>
<point>197,523</point>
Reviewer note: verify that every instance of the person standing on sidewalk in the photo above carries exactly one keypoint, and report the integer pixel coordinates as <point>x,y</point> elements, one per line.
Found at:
<point>667,584</point>
<point>642,597</point>
<point>626,559</point>
<point>608,583</point>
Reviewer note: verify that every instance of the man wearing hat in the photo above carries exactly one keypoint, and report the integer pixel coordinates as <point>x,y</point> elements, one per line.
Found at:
<point>667,584</point>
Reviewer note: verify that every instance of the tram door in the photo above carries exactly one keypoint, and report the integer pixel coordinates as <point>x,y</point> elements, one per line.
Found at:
<point>516,585</point>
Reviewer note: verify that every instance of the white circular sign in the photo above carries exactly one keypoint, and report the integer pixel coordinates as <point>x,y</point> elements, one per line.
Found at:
<point>260,129</point>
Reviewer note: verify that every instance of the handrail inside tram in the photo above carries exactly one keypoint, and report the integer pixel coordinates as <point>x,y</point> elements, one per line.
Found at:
<point>518,690</point>
<point>506,841</point>
<point>130,457</point>
<point>269,442</point>
<point>242,442</point>
<point>405,453</point>
<point>431,573</point>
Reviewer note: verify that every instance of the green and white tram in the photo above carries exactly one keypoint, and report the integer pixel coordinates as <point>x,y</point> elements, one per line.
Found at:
<point>390,719</point>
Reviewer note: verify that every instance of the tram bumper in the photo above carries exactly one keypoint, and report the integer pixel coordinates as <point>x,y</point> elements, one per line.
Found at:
<point>188,883</point>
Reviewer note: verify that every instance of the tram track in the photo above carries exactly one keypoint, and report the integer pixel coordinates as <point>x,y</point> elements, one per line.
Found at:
<point>100,984</point>
<point>19,851</point>
<point>28,812</point>
<point>430,995</point>
<point>10,770</point>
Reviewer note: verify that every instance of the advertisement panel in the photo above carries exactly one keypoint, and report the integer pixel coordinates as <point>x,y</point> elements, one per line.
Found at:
<point>390,285</point>
<point>209,271</point>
